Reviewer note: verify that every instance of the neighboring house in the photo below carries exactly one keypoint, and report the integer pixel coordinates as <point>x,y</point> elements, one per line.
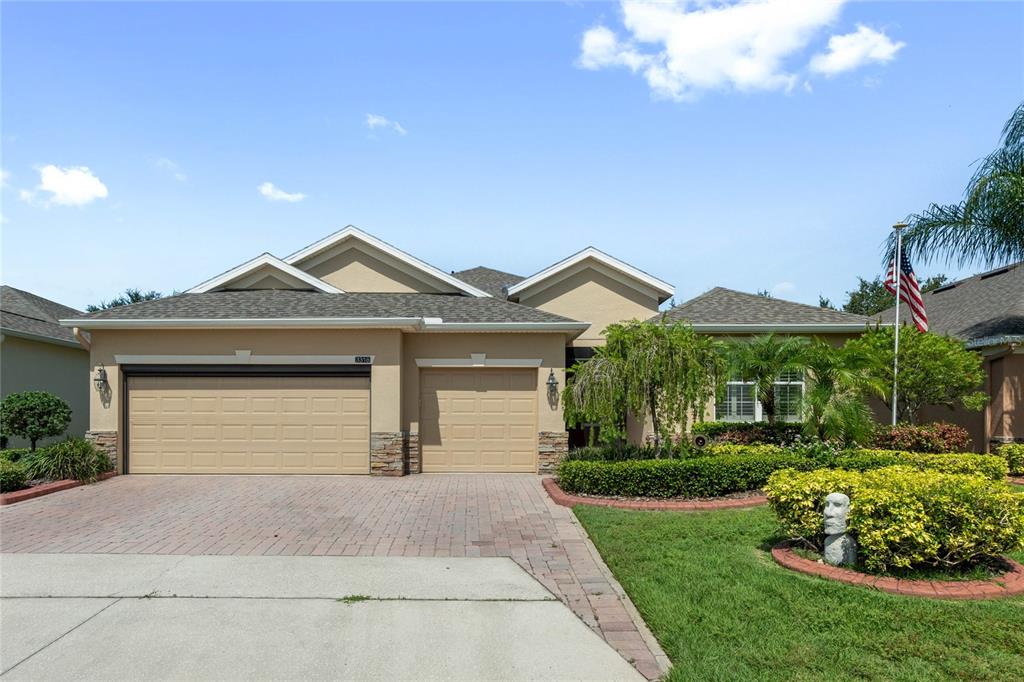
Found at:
<point>726,313</point>
<point>352,356</point>
<point>38,354</point>
<point>986,311</point>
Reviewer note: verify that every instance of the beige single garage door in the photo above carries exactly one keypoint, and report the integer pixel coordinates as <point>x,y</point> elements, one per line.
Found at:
<point>248,425</point>
<point>478,420</point>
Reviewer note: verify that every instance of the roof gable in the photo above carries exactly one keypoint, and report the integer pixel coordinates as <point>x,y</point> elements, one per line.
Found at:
<point>375,263</point>
<point>594,258</point>
<point>264,272</point>
<point>722,309</point>
<point>25,314</point>
<point>494,282</point>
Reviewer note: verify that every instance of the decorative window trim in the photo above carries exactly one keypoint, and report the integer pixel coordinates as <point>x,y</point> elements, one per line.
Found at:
<point>479,360</point>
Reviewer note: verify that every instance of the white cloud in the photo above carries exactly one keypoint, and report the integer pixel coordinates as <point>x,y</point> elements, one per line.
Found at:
<point>853,50</point>
<point>5,175</point>
<point>374,121</point>
<point>74,186</point>
<point>273,193</point>
<point>683,48</point>
<point>783,289</point>
<point>170,167</point>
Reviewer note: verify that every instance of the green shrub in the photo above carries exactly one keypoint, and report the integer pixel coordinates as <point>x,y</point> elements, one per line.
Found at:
<point>747,433</point>
<point>936,437</point>
<point>74,458</point>
<point>688,477</point>
<point>732,449</point>
<point>989,466</point>
<point>14,454</point>
<point>1013,453</point>
<point>905,518</point>
<point>12,476</point>
<point>33,415</point>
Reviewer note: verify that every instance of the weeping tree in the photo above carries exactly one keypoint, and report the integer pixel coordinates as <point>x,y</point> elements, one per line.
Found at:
<point>834,406</point>
<point>987,226</point>
<point>762,360</point>
<point>661,370</point>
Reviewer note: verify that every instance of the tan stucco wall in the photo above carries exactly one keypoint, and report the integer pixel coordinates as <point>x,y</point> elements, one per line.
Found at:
<point>549,348</point>
<point>592,296</point>
<point>27,365</point>
<point>353,269</point>
<point>384,345</point>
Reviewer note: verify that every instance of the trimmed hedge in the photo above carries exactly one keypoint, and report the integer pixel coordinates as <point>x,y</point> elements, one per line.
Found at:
<point>905,518</point>
<point>12,476</point>
<point>609,453</point>
<point>748,433</point>
<point>989,466</point>
<point>716,449</point>
<point>689,477</point>
<point>1013,453</point>
<point>936,437</point>
<point>14,454</point>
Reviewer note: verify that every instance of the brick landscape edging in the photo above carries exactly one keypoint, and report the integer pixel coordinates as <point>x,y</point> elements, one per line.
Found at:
<point>46,489</point>
<point>1007,585</point>
<point>567,500</point>
<point>1019,480</point>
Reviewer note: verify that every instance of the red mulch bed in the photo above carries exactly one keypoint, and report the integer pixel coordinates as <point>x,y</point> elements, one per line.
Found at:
<point>1019,480</point>
<point>1007,585</point>
<point>567,500</point>
<point>46,489</point>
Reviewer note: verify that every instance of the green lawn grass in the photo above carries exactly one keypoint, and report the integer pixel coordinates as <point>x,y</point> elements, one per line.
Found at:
<point>723,610</point>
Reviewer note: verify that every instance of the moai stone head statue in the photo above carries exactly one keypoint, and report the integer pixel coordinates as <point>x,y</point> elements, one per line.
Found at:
<point>837,508</point>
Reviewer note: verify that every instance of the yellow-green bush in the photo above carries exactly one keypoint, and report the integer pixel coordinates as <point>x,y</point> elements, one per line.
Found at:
<point>738,449</point>
<point>1013,453</point>
<point>989,466</point>
<point>903,517</point>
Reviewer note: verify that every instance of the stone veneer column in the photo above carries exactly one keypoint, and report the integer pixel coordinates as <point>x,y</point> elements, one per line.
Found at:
<point>412,453</point>
<point>105,441</point>
<point>387,456</point>
<point>552,447</point>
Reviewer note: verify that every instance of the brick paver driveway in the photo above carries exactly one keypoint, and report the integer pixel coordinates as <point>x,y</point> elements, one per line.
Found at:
<point>426,515</point>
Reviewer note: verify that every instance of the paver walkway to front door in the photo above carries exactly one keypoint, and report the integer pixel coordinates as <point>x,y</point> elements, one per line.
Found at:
<point>426,515</point>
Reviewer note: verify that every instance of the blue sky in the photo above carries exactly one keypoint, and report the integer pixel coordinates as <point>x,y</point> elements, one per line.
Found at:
<point>683,151</point>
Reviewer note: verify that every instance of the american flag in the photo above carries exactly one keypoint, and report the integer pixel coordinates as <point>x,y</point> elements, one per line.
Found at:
<point>910,290</point>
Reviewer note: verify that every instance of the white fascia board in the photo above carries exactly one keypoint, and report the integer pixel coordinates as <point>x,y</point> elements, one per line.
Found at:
<point>430,325</point>
<point>247,323</point>
<point>355,233</point>
<point>479,362</point>
<point>260,261</point>
<point>664,289</point>
<point>786,328</point>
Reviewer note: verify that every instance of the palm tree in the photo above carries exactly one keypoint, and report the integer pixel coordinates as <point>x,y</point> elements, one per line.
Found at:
<point>833,405</point>
<point>762,360</point>
<point>987,227</point>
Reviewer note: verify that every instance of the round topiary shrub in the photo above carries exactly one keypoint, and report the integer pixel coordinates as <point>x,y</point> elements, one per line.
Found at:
<point>12,476</point>
<point>33,415</point>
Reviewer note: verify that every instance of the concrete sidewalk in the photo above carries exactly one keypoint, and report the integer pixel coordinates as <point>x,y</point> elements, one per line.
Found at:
<point>91,616</point>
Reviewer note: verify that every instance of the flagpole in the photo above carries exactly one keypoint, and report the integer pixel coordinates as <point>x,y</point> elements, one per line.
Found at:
<point>897,271</point>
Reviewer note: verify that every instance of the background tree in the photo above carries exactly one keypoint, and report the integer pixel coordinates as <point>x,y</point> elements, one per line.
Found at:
<point>762,359</point>
<point>825,303</point>
<point>128,297</point>
<point>934,370</point>
<point>987,226</point>
<point>833,406</point>
<point>662,370</point>
<point>871,297</point>
<point>764,293</point>
<point>33,415</point>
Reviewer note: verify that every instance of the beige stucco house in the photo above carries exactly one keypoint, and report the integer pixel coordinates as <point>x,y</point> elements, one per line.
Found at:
<point>351,356</point>
<point>38,354</point>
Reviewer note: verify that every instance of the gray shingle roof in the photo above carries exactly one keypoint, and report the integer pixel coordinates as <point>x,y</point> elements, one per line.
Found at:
<point>494,282</point>
<point>983,308</point>
<point>25,313</point>
<point>269,303</point>
<point>721,306</point>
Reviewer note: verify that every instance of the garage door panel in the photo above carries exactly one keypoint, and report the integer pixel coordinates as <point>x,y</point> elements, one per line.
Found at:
<point>478,420</point>
<point>248,425</point>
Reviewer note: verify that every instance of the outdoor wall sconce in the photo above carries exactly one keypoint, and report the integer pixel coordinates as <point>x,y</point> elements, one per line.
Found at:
<point>100,379</point>
<point>552,383</point>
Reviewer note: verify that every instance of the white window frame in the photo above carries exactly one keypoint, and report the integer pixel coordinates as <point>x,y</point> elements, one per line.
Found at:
<point>758,410</point>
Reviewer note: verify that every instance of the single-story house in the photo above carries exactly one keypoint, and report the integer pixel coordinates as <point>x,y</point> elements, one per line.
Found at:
<point>38,354</point>
<point>351,356</point>
<point>986,311</point>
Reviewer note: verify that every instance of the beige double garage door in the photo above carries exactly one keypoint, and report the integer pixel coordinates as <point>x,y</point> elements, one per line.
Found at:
<point>470,420</point>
